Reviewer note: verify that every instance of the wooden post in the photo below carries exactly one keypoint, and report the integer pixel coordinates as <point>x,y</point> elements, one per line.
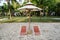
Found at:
<point>10,13</point>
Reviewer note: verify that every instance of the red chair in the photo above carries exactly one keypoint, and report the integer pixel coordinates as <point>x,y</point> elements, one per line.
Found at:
<point>36,30</point>
<point>23,30</point>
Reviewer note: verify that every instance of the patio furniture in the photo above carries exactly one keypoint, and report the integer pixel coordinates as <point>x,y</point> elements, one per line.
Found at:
<point>23,30</point>
<point>36,30</point>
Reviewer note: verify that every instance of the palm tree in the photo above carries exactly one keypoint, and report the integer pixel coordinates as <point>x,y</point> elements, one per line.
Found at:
<point>5,8</point>
<point>8,1</point>
<point>13,6</point>
<point>58,9</point>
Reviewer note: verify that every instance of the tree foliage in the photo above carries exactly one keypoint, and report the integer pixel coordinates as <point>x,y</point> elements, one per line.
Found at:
<point>58,9</point>
<point>47,5</point>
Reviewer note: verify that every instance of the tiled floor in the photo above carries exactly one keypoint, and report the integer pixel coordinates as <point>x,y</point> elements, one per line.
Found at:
<point>48,31</point>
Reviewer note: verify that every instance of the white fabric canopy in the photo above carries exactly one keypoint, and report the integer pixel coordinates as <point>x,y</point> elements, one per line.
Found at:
<point>30,6</point>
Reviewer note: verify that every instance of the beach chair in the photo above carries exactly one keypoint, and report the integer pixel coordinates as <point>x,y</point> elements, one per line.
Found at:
<point>36,30</point>
<point>23,30</point>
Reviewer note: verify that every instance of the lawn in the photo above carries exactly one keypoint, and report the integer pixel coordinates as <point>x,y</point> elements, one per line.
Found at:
<point>33,19</point>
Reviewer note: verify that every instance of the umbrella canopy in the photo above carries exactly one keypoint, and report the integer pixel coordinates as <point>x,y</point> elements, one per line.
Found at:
<point>30,6</point>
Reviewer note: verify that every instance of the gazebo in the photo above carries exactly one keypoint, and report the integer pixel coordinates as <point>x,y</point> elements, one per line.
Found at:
<point>30,7</point>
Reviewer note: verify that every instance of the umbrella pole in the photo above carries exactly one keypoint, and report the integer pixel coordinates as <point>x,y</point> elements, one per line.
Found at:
<point>29,30</point>
<point>29,21</point>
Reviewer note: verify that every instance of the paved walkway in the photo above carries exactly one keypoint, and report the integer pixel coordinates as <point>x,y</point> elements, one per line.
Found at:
<point>11,31</point>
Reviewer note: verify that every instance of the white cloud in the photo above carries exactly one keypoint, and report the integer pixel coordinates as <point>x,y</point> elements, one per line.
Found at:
<point>20,1</point>
<point>1,2</point>
<point>4,1</point>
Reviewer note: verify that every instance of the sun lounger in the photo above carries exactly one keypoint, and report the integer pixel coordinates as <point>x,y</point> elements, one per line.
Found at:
<point>36,30</point>
<point>23,30</point>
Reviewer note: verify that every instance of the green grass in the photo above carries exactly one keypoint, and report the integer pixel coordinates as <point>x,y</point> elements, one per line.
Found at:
<point>14,19</point>
<point>44,19</point>
<point>33,19</point>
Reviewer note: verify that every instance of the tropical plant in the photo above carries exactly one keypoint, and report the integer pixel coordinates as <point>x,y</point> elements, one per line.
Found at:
<point>46,5</point>
<point>58,9</point>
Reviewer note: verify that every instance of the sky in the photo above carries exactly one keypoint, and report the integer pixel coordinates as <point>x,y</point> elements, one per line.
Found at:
<point>20,1</point>
<point>3,1</point>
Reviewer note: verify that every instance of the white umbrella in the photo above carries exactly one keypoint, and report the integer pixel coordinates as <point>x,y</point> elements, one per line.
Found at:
<point>30,7</point>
